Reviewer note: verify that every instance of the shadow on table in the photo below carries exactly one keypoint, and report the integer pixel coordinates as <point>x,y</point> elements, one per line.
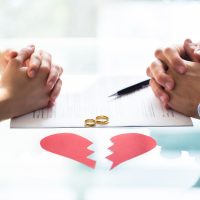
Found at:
<point>174,140</point>
<point>177,139</point>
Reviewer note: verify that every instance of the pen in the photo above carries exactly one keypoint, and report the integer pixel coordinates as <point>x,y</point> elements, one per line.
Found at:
<point>132,88</point>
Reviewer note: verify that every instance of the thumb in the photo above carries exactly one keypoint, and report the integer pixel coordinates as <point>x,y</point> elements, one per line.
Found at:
<point>9,54</point>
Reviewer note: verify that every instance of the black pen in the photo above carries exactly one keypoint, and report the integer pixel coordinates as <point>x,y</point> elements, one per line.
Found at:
<point>132,88</point>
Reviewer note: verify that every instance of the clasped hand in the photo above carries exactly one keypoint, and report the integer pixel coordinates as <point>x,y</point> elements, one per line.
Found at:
<point>175,77</point>
<point>29,81</point>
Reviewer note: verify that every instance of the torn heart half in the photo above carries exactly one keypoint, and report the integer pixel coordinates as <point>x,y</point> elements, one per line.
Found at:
<point>129,145</point>
<point>69,145</point>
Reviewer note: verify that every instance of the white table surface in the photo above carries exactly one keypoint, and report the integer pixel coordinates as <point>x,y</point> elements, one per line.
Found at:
<point>171,170</point>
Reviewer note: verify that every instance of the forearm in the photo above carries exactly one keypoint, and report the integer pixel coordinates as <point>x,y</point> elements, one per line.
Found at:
<point>1,62</point>
<point>4,105</point>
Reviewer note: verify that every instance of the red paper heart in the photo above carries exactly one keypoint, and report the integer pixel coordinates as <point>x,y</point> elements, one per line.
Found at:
<point>69,145</point>
<point>129,145</point>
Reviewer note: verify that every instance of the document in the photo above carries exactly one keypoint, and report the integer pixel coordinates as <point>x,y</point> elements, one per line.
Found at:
<point>85,97</point>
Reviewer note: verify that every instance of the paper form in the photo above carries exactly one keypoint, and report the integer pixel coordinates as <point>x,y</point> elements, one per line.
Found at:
<point>85,97</point>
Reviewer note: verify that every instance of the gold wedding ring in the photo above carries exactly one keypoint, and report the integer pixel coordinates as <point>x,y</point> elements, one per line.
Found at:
<point>102,119</point>
<point>90,122</point>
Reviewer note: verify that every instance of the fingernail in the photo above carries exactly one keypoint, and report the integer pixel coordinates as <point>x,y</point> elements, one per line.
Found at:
<point>32,73</point>
<point>197,51</point>
<point>181,69</point>
<point>31,46</point>
<point>169,85</point>
<point>50,84</point>
<point>51,103</point>
<point>53,99</point>
<point>162,98</point>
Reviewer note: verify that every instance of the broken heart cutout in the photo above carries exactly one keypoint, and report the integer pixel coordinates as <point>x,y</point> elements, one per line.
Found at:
<point>125,147</point>
<point>69,145</point>
<point>128,146</point>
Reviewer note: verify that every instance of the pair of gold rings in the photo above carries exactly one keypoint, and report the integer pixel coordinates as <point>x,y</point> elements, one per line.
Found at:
<point>101,120</point>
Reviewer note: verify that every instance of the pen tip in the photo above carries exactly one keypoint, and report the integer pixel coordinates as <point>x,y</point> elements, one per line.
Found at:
<point>112,95</point>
